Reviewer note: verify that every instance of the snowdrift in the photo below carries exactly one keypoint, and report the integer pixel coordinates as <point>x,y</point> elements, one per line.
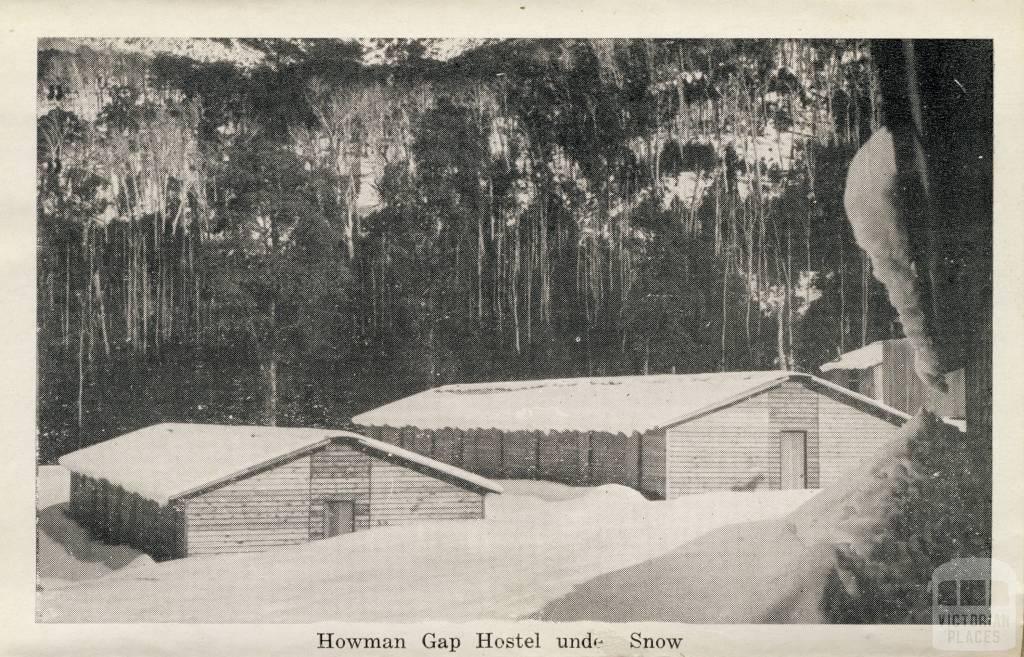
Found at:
<point>770,571</point>
<point>527,552</point>
<point>65,551</point>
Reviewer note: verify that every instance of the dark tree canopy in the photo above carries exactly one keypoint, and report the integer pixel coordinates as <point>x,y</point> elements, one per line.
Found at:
<point>526,208</point>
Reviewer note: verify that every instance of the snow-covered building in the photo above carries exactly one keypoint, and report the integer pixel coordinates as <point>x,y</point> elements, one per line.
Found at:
<point>176,490</point>
<point>665,435</point>
<point>885,370</point>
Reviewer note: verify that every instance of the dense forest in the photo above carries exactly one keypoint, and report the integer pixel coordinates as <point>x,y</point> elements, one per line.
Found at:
<point>298,235</point>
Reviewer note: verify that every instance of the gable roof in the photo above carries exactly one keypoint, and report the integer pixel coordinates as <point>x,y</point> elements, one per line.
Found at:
<point>614,404</point>
<point>168,461</point>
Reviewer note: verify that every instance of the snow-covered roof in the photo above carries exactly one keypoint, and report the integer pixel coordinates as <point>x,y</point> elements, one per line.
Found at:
<point>614,404</point>
<point>168,461</point>
<point>858,359</point>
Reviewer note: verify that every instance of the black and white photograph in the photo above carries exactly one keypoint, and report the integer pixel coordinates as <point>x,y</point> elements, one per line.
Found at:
<point>530,331</point>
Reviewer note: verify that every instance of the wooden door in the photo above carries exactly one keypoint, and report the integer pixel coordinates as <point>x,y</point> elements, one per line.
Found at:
<point>339,517</point>
<point>794,459</point>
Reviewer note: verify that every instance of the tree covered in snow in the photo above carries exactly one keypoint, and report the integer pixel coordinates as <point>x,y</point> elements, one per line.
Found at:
<point>919,197</point>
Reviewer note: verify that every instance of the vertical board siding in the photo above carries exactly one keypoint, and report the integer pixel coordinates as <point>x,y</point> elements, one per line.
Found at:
<point>847,437</point>
<point>385,434</point>
<point>901,388</point>
<point>407,437</point>
<point>519,455</point>
<point>119,517</point>
<point>653,460</point>
<point>615,459</point>
<point>571,457</point>
<point>471,458</point>
<point>422,442</point>
<point>488,452</point>
<point>563,457</point>
<point>737,447</point>
<point>895,383</point>
<point>448,446</point>
<point>951,403</point>
<point>267,509</point>
<point>77,497</point>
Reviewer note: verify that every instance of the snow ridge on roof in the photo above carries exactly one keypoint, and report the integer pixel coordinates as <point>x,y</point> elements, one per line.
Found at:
<point>167,461</point>
<point>615,404</point>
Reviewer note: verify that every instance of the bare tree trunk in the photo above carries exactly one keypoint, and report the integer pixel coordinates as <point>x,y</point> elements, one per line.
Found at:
<point>790,290</point>
<point>103,313</point>
<point>81,370</point>
<point>272,390</point>
<point>722,362</point>
<point>67,296</point>
<point>781,339</point>
<point>271,368</point>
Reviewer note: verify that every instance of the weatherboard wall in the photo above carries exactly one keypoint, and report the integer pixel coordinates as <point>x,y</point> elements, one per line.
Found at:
<point>279,505</point>
<point>384,493</point>
<point>285,505</point>
<point>738,447</point>
<point>401,495</point>
<point>263,510</point>
<point>735,447</point>
<point>847,437</point>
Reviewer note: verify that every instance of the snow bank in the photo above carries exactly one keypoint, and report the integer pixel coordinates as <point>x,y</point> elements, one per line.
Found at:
<point>64,551</point>
<point>504,567</point>
<point>767,571</point>
<point>525,496</point>
<point>548,491</point>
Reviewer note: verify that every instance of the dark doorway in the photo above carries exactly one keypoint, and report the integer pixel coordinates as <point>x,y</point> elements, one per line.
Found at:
<point>339,517</point>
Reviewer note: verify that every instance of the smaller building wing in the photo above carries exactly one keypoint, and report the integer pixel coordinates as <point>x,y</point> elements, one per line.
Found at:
<point>168,461</point>
<point>858,359</point>
<point>164,461</point>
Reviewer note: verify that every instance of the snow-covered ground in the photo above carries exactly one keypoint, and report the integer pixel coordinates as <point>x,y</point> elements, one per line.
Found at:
<point>65,551</point>
<point>538,541</point>
<point>773,571</point>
